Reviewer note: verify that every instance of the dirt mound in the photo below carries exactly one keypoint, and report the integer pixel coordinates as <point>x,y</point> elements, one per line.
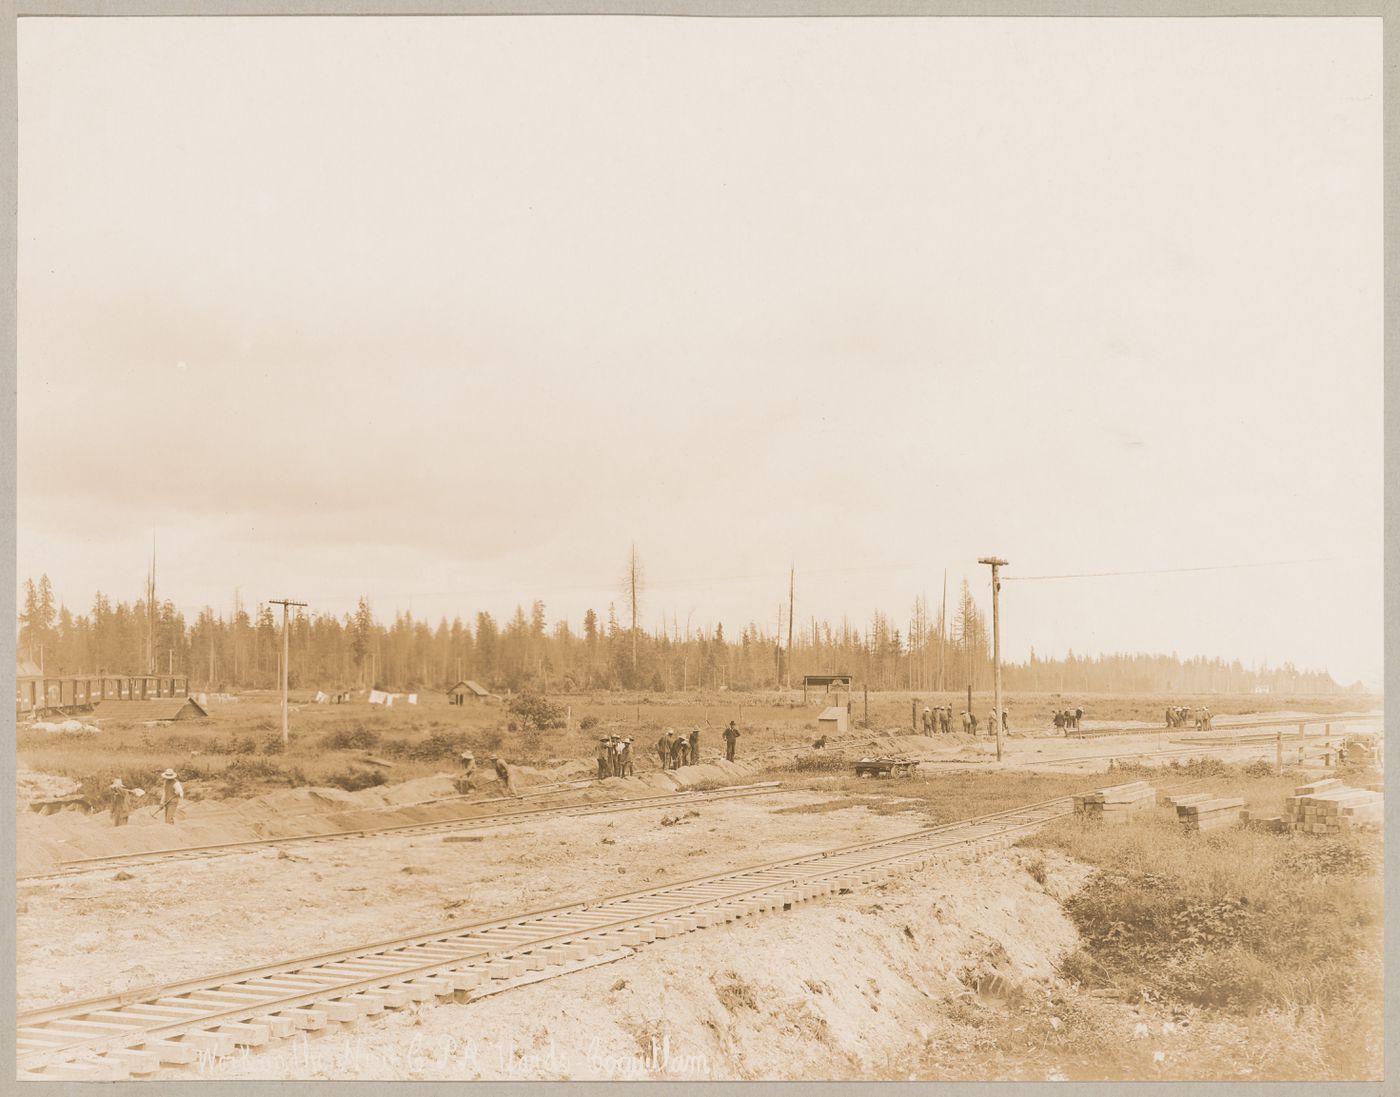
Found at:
<point>287,813</point>
<point>42,786</point>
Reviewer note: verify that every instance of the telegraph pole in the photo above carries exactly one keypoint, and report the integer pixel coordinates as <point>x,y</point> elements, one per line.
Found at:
<point>792,587</point>
<point>286,603</point>
<point>996,563</point>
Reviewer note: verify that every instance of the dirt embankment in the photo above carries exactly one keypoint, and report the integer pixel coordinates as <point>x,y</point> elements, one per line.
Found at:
<point>851,987</point>
<point>45,840</point>
<point>99,933</point>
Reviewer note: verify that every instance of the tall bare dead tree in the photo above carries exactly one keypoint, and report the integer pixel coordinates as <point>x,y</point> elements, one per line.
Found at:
<point>634,590</point>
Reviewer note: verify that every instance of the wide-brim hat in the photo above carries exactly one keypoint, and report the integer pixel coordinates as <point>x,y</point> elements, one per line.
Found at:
<point>118,783</point>
<point>169,775</point>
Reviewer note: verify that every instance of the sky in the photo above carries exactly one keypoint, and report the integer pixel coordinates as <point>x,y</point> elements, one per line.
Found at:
<point>450,312</point>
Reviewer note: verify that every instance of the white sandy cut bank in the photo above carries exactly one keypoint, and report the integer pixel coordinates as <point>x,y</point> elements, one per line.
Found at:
<point>848,987</point>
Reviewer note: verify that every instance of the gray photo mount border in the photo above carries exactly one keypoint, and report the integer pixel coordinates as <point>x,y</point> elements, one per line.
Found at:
<point>10,10</point>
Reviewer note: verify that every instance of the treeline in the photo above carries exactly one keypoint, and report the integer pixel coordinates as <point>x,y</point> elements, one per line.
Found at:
<point>243,650</point>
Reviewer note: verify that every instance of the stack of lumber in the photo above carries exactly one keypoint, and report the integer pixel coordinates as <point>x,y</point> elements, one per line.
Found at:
<point>1116,803</point>
<point>1330,807</point>
<point>1206,813</point>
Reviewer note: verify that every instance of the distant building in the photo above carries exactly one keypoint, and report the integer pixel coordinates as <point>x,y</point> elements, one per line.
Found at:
<point>839,683</point>
<point>466,691</point>
<point>38,694</point>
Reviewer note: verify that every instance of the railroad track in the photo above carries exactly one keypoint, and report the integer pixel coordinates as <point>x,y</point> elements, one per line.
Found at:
<point>1236,726</point>
<point>77,865</point>
<point>185,1023</point>
<point>1178,752</point>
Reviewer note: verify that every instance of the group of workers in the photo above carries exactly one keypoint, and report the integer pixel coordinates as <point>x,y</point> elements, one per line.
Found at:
<point>614,756</point>
<point>940,720</point>
<point>1179,716</point>
<point>1067,720</point>
<point>124,798</point>
<point>937,719</point>
<point>675,750</point>
<point>467,781</point>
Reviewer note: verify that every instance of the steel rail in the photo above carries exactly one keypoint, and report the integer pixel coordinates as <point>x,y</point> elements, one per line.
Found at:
<point>176,1018</point>
<point>76,865</point>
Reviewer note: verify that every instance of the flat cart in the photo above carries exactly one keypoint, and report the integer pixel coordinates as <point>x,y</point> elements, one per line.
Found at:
<point>886,767</point>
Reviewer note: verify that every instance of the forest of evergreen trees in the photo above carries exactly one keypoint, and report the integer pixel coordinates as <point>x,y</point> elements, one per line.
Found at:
<point>357,650</point>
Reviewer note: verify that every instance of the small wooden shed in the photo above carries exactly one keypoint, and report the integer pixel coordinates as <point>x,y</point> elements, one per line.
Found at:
<point>834,719</point>
<point>465,691</point>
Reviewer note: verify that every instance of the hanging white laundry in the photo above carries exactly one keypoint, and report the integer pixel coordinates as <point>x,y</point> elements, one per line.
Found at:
<point>376,697</point>
<point>413,698</point>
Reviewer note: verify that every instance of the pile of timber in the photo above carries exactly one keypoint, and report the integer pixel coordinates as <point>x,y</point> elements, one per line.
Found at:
<point>1330,807</point>
<point>1203,812</point>
<point>1116,803</point>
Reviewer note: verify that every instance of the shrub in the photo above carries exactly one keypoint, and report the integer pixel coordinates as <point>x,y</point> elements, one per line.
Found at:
<point>536,712</point>
<point>588,723</point>
<point>821,761</point>
<point>352,780</point>
<point>437,747</point>
<point>357,738</point>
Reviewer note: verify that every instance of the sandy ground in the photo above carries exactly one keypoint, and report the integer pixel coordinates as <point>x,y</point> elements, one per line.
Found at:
<point>93,935</point>
<point>44,840</point>
<point>843,988</point>
<point>42,786</point>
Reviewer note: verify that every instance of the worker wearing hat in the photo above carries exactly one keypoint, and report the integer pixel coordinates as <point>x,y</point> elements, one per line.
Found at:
<point>605,757</point>
<point>171,794</point>
<point>466,782</point>
<point>503,773</point>
<point>121,801</point>
<point>663,748</point>
<point>624,757</point>
<point>731,737</point>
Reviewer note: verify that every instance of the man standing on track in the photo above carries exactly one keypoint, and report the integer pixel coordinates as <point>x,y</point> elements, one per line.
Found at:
<point>171,794</point>
<point>663,748</point>
<point>731,737</point>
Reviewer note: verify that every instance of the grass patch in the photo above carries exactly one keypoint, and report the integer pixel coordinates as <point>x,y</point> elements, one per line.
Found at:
<point>1238,920</point>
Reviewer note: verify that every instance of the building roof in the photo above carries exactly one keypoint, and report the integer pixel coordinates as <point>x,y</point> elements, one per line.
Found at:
<point>835,712</point>
<point>153,708</point>
<point>470,687</point>
<point>26,669</point>
<point>824,679</point>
